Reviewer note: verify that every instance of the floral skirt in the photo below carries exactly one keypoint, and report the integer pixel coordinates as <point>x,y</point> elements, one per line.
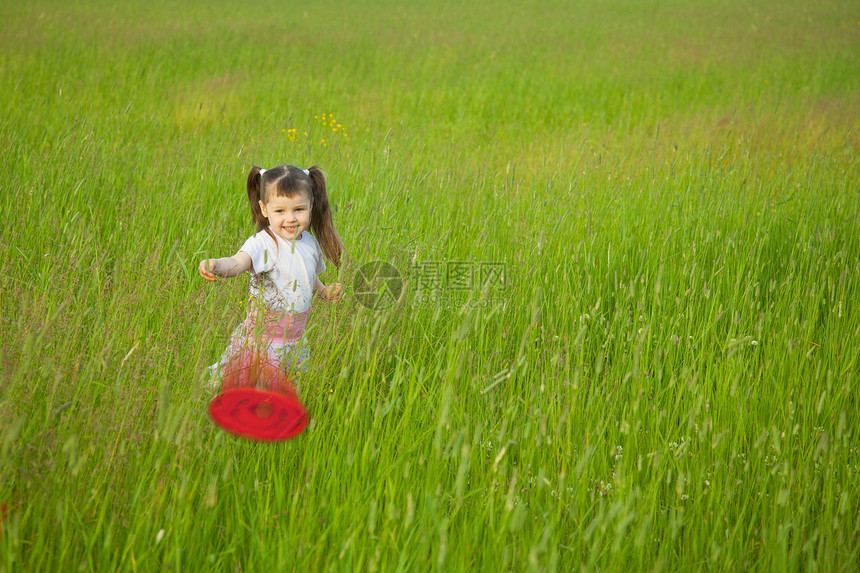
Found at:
<point>280,340</point>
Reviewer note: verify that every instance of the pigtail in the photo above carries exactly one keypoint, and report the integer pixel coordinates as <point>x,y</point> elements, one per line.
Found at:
<point>255,185</point>
<point>321,219</point>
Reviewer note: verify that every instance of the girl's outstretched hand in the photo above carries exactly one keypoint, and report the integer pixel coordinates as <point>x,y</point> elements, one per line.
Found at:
<point>206,267</point>
<point>332,292</point>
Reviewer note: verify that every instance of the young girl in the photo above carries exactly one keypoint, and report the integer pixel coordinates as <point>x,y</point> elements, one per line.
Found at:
<point>284,260</point>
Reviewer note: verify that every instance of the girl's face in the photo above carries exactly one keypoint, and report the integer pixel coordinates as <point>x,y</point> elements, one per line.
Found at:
<point>288,216</point>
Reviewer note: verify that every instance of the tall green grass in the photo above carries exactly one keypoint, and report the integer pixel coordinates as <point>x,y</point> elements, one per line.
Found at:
<point>665,379</point>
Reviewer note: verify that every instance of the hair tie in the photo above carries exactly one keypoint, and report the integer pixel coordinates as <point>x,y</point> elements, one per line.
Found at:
<point>262,171</point>
<point>306,171</point>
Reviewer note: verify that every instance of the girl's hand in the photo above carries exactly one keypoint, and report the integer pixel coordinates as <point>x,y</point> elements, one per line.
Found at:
<point>332,292</point>
<point>205,268</point>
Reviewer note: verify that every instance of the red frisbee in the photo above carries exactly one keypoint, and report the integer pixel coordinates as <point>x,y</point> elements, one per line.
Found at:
<point>258,414</point>
<point>258,400</point>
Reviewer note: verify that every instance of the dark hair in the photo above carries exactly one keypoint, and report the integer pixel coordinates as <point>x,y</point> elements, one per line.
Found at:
<point>289,181</point>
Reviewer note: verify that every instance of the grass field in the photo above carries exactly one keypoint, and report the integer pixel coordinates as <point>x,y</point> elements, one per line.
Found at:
<point>629,243</point>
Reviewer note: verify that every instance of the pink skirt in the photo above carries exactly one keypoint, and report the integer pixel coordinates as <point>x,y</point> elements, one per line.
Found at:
<point>280,338</point>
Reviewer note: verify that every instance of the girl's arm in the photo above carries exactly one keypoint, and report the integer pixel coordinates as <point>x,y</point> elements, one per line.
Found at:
<point>226,267</point>
<point>330,292</point>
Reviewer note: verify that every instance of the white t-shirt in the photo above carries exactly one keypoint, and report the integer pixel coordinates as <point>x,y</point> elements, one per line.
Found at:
<point>284,272</point>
